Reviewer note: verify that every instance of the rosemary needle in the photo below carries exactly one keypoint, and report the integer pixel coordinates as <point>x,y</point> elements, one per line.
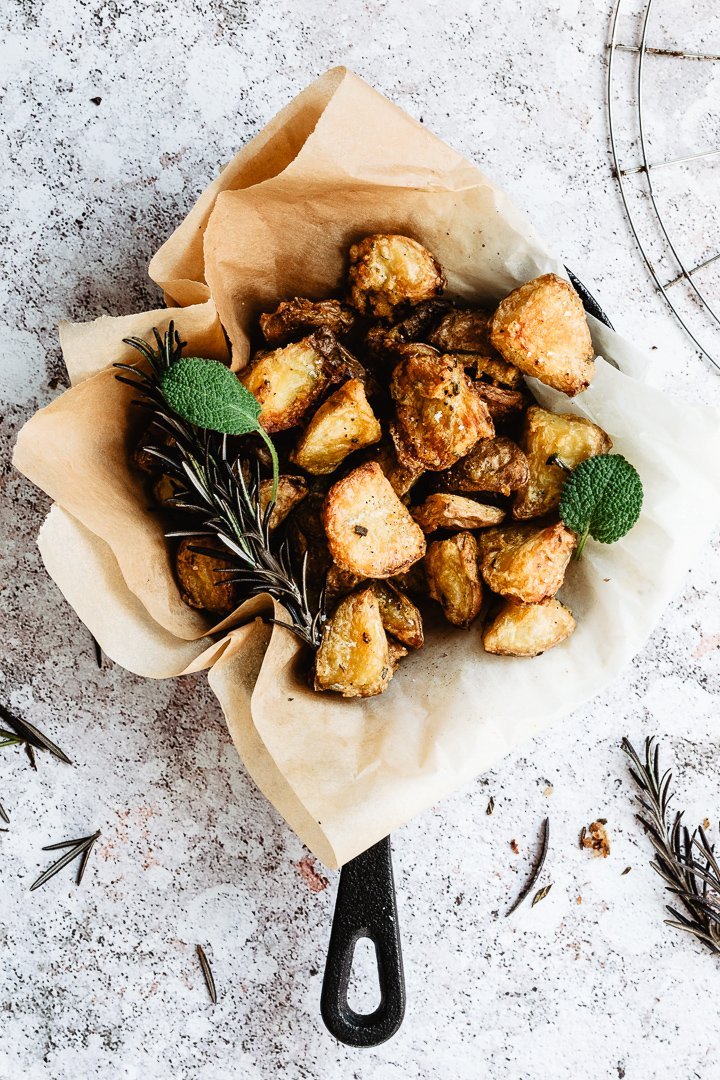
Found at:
<point>31,736</point>
<point>545,840</point>
<point>207,973</point>
<point>83,847</point>
<point>4,814</point>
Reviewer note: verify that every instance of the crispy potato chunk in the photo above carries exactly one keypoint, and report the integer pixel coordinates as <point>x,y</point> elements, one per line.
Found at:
<point>287,382</point>
<point>382,339</point>
<point>387,270</point>
<point>453,579</point>
<point>342,424</point>
<point>502,404</point>
<point>412,581</point>
<point>298,317</point>
<point>339,583</point>
<point>496,371</point>
<point>528,629</point>
<point>401,474</point>
<point>445,511</point>
<point>527,562</point>
<point>165,487</point>
<point>354,657</point>
<point>463,331</point>
<point>439,414</point>
<point>201,586</point>
<point>396,651</point>
<point>399,615</point>
<point>546,435</point>
<point>542,329</point>
<point>369,530</point>
<point>493,465</point>
<point>291,491</point>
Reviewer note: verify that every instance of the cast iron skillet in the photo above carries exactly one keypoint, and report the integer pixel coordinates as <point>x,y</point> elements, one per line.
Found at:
<point>366,906</point>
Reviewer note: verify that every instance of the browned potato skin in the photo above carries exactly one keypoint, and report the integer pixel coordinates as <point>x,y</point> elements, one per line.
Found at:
<point>463,331</point>
<point>542,329</point>
<point>453,578</point>
<point>342,424</point>
<point>527,562</point>
<point>399,615</point>
<point>439,416</point>
<point>151,436</point>
<point>572,438</point>
<point>290,493</point>
<point>297,317</point>
<point>354,657</point>
<point>496,371</point>
<point>382,340</point>
<point>494,465</point>
<point>369,531</point>
<point>502,404</point>
<point>412,581</point>
<point>339,583</point>
<point>387,270</point>
<point>528,629</point>
<point>403,475</point>
<point>165,487</point>
<point>200,584</point>
<point>445,511</point>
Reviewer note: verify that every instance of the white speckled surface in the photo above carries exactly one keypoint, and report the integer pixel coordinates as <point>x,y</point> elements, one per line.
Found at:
<point>102,980</point>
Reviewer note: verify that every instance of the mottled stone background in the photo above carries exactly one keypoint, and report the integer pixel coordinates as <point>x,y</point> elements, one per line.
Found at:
<point>116,115</point>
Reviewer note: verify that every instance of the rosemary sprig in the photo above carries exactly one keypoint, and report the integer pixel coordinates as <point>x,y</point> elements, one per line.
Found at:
<point>207,973</point>
<point>220,488</point>
<point>30,736</point>
<point>685,861</point>
<point>535,874</point>
<point>83,847</point>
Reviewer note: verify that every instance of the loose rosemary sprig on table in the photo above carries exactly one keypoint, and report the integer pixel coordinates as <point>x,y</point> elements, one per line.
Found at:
<point>220,487</point>
<point>685,861</point>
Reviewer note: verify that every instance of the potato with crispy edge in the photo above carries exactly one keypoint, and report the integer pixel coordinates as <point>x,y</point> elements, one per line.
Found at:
<point>542,329</point>
<point>201,586</point>
<point>453,578</point>
<point>297,317</point>
<point>399,615</point>
<point>339,583</point>
<point>496,371</point>
<point>503,405</point>
<point>548,436</point>
<point>527,562</point>
<point>381,340</point>
<point>402,474</point>
<point>342,424</point>
<point>387,270</point>
<point>497,465</point>
<point>369,531</point>
<point>443,510</point>
<point>464,331</point>
<point>439,416</point>
<point>290,493</point>
<point>287,382</point>
<point>528,629</point>
<point>354,658</point>
<point>412,581</point>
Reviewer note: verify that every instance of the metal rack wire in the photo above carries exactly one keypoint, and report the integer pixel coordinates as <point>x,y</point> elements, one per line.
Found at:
<point>696,311</point>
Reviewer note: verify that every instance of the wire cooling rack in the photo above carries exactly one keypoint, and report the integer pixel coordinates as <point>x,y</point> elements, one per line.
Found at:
<point>663,106</point>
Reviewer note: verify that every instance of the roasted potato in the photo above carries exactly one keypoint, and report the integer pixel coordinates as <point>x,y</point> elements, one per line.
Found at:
<point>201,586</point>
<point>153,435</point>
<point>287,382</point>
<point>403,475</point>
<point>528,629</point>
<point>547,436</point>
<point>382,339</point>
<point>439,416</point>
<point>339,583</point>
<point>413,582</point>
<point>496,371</point>
<point>369,531</point>
<point>446,511</point>
<point>387,270</point>
<point>502,404</point>
<point>464,332</point>
<point>298,317</point>
<point>527,562</point>
<point>290,493</point>
<point>453,578</point>
<point>542,329</point>
<point>400,617</point>
<point>494,465</point>
<point>343,423</point>
<point>165,487</point>
<point>354,657</point>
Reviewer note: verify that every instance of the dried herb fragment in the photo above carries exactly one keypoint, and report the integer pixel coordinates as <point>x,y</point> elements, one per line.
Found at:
<point>83,847</point>
<point>544,843</point>
<point>207,973</point>
<point>626,871</point>
<point>31,736</point>
<point>541,894</point>
<point>4,815</point>
<point>490,808</point>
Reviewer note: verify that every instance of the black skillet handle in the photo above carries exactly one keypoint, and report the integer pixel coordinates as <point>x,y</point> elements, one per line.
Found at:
<point>365,907</point>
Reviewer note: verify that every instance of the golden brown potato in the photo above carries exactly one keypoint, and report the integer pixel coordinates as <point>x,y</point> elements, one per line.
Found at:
<point>382,339</point>
<point>298,317</point>
<point>528,629</point>
<point>502,404</point>
<point>493,465</point>
<point>401,474</point>
<point>339,583</point>
<point>342,424</point>
<point>396,651</point>
<point>369,531</point>
<point>542,329</point>
<point>165,487</point>
<point>445,511</point>
<point>439,416</point>
<point>546,435</point>
<point>493,369</point>
<point>412,581</point>
<point>287,382</point>
<point>290,493</point>
<point>201,586</point>
<point>453,578</point>
<point>399,615</point>
<point>387,270</point>
<point>527,562</point>
<point>354,657</point>
<point>463,331</point>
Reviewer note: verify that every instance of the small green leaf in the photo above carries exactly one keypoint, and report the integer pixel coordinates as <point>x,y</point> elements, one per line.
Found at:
<point>602,498</point>
<point>209,395</point>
